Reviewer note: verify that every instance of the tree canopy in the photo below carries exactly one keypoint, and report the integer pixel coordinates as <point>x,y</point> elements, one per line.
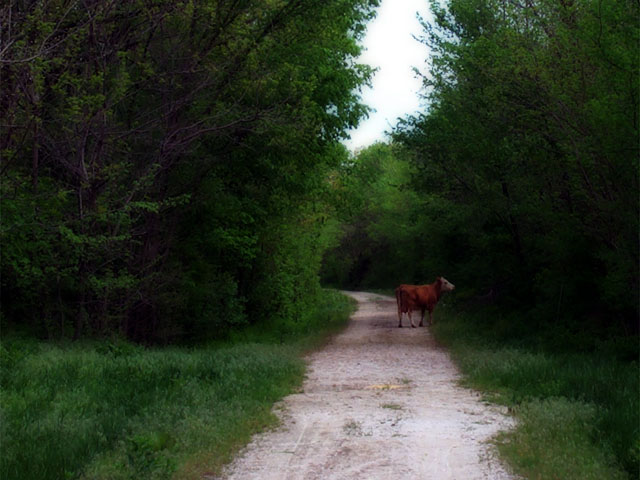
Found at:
<point>173,169</point>
<point>163,162</point>
<point>523,185</point>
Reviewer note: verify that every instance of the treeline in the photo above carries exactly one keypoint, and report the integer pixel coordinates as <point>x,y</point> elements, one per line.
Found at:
<point>164,163</point>
<point>521,176</point>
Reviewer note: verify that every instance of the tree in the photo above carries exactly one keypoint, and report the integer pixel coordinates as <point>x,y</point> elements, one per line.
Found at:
<point>379,219</point>
<point>531,138</point>
<point>117,115</point>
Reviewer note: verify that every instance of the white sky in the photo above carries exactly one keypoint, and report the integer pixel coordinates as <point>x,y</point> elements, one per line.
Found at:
<point>389,45</point>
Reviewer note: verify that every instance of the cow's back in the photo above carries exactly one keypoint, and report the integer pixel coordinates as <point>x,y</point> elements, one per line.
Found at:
<point>425,296</point>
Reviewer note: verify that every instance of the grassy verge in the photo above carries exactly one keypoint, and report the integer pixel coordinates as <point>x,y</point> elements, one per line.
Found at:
<point>119,411</point>
<point>577,413</point>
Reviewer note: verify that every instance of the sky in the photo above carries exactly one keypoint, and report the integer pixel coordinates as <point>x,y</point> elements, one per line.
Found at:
<point>389,46</point>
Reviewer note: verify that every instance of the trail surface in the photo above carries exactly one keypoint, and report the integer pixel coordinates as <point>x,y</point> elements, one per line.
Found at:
<point>379,402</point>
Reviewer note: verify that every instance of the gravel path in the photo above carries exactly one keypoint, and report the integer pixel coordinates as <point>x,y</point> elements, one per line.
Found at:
<point>379,402</point>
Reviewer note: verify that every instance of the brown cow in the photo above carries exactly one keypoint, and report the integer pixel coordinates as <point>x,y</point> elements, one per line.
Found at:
<point>423,297</point>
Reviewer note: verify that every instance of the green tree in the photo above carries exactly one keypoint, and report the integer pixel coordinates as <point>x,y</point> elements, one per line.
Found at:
<point>379,220</point>
<point>531,141</point>
<point>118,115</point>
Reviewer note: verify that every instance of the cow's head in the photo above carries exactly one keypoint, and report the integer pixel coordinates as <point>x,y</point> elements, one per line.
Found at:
<point>445,285</point>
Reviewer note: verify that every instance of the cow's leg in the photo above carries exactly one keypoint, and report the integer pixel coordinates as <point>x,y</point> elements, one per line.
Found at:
<point>430,317</point>
<point>399,302</point>
<point>411,319</point>
<point>422,318</point>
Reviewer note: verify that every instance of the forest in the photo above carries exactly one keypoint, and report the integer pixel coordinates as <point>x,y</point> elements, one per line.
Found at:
<point>520,180</point>
<point>173,170</point>
<point>164,163</point>
<point>173,174</point>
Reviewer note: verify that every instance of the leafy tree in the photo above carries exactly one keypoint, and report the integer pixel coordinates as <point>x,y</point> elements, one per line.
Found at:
<point>117,118</point>
<point>531,139</point>
<point>379,219</point>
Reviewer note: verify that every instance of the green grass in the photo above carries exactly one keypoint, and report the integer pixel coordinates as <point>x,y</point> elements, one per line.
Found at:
<point>578,414</point>
<point>555,439</point>
<point>118,411</point>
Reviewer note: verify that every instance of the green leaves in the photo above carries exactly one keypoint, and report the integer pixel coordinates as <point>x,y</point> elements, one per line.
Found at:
<point>528,131</point>
<point>123,114</point>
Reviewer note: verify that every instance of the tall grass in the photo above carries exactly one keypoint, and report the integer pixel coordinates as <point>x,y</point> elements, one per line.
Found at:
<point>119,411</point>
<point>578,413</point>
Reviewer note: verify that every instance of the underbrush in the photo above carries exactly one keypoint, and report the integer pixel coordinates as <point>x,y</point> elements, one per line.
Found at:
<point>578,413</point>
<point>119,411</point>
<point>307,331</point>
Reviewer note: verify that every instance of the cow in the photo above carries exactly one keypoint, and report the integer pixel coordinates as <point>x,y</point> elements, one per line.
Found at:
<point>423,297</point>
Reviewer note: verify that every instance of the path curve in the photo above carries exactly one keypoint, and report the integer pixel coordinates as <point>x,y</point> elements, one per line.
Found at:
<point>379,402</point>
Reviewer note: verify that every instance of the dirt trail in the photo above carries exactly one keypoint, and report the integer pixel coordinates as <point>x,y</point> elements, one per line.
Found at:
<point>379,402</point>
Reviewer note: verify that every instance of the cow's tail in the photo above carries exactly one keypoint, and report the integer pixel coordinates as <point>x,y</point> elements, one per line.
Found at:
<point>399,301</point>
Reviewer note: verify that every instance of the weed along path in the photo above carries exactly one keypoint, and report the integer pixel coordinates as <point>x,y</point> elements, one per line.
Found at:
<point>379,402</point>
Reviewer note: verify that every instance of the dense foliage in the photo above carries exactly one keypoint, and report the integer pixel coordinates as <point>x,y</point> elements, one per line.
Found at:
<point>164,163</point>
<point>524,165</point>
<point>374,215</point>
